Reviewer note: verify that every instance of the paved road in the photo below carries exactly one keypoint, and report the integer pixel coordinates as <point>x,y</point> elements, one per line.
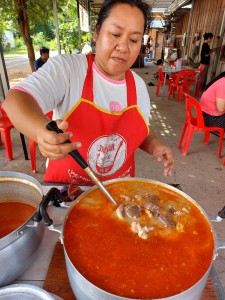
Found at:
<point>16,61</point>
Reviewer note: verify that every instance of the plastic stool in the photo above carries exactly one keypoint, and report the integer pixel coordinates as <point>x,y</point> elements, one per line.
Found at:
<point>5,128</point>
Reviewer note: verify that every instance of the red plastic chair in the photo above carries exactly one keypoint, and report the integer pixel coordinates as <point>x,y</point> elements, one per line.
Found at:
<point>181,84</point>
<point>193,80</point>
<point>195,122</point>
<point>5,128</point>
<point>172,63</point>
<point>32,148</point>
<point>161,79</point>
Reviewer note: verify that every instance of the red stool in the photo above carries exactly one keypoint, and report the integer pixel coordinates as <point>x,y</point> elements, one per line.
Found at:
<point>161,79</point>
<point>180,84</point>
<point>5,128</point>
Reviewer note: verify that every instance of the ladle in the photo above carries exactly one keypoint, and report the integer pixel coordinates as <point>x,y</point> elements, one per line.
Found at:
<point>80,160</point>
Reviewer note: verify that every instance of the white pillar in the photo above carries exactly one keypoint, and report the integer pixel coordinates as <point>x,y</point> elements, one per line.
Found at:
<point>56,25</point>
<point>4,81</point>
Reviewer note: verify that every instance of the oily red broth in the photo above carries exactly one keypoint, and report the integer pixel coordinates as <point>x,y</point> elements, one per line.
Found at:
<point>107,253</point>
<point>13,215</point>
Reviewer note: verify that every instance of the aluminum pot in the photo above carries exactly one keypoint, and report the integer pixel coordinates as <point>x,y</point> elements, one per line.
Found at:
<point>25,292</point>
<point>84,289</point>
<point>18,248</point>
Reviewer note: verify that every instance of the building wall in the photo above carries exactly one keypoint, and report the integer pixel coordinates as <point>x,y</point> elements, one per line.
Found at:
<point>157,36</point>
<point>207,16</point>
<point>9,39</point>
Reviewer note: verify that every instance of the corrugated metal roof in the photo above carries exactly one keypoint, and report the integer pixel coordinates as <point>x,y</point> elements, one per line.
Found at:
<point>157,5</point>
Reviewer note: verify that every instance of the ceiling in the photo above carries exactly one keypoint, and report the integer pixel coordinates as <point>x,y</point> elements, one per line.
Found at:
<point>163,6</point>
<point>170,11</point>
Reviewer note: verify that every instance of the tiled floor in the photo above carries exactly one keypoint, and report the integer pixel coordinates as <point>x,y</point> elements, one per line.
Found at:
<point>200,173</point>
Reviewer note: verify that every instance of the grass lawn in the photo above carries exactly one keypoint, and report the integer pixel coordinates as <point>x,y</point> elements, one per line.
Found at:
<point>13,52</point>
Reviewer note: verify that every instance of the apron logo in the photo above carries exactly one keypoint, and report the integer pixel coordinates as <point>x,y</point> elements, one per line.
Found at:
<point>107,154</point>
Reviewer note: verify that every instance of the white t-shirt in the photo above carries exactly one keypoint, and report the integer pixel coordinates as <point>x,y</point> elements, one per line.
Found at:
<point>58,86</point>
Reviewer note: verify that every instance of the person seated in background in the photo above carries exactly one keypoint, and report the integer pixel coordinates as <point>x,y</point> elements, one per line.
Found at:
<point>212,102</point>
<point>44,56</point>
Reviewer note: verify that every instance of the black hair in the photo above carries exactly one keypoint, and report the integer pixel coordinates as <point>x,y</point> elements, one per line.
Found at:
<point>208,35</point>
<point>159,62</point>
<point>44,50</point>
<point>109,4</point>
<point>221,75</point>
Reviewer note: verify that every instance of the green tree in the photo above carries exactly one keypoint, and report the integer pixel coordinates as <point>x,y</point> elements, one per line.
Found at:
<point>31,17</point>
<point>24,16</point>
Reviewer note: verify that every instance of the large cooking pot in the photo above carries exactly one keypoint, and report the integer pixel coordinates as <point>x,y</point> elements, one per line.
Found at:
<point>18,248</point>
<point>83,288</point>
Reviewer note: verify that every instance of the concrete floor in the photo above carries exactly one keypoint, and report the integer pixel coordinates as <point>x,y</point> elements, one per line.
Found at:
<point>200,173</point>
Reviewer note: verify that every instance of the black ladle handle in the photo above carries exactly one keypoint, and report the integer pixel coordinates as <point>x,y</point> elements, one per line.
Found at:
<point>80,160</point>
<point>52,126</point>
<point>52,195</point>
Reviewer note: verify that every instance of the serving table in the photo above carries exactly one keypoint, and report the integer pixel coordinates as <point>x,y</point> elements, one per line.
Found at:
<point>48,271</point>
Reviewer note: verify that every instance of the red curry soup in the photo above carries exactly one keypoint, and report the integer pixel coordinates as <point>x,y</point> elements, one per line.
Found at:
<point>13,215</point>
<point>112,254</point>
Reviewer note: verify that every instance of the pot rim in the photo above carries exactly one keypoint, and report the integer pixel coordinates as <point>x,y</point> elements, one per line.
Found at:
<point>18,177</point>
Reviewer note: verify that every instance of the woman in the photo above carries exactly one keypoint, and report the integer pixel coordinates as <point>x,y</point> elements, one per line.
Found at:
<point>205,58</point>
<point>104,106</point>
<point>213,102</point>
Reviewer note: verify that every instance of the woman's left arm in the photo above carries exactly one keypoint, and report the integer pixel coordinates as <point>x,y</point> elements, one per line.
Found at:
<point>160,151</point>
<point>214,49</point>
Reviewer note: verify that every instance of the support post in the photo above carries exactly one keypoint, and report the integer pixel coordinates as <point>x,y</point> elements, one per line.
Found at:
<point>188,29</point>
<point>3,73</point>
<point>78,16</point>
<point>219,43</point>
<point>56,25</point>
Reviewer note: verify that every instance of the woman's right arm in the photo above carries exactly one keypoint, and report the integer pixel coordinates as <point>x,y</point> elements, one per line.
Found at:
<point>24,113</point>
<point>28,118</point>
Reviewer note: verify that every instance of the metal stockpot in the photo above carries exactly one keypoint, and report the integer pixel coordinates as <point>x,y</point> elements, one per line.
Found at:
<point>17,249</point>
<point>84,289</point>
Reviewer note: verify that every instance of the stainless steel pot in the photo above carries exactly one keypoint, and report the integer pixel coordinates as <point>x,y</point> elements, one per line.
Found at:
<point>25,292</point>
<point>83,289</point>
<point>17,249</point>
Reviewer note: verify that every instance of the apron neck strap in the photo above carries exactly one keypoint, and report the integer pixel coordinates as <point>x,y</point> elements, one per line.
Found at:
<point>87,92</point>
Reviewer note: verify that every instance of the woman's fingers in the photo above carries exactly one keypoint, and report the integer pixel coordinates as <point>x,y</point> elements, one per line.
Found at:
<point>164,155</point>
<point>54,145</point>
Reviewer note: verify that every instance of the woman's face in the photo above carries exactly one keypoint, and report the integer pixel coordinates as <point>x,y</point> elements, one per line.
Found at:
<point>119,40</point>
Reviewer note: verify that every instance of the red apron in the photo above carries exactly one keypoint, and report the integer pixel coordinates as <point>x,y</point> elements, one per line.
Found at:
<point>109,140</point>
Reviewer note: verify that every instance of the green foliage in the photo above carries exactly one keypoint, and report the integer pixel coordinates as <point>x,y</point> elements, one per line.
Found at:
<point>39,40</point>
<point>68,27</point>
<point>19,43</point>
<point>46,29</point>
<point>41,22</point>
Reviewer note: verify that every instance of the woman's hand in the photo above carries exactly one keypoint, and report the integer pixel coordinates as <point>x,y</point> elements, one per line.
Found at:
<point>164,154</point>
<point>160,151</point>
<point>53,145</point>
